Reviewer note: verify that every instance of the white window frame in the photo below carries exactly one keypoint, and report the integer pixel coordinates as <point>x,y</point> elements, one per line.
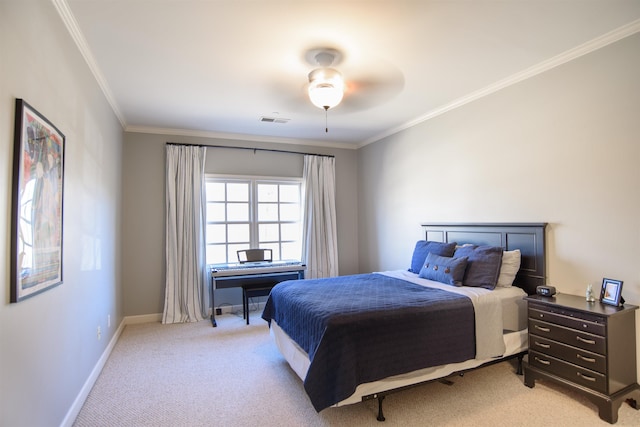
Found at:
<point>253,182</point>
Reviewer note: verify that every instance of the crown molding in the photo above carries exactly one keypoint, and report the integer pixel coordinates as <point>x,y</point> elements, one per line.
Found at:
<point>72,26</point>
<point>569,55</point>
<point>239,137</point>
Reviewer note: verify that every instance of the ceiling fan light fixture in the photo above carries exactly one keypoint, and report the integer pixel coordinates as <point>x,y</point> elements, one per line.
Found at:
<point>326,88</point>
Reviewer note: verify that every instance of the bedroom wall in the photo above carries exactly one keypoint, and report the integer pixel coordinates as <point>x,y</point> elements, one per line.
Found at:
<point>561,148</point>
<point>48,343</point>
<point>143,270</point>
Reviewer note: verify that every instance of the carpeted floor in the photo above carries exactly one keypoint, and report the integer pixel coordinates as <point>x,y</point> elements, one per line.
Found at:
<point>233,375</point>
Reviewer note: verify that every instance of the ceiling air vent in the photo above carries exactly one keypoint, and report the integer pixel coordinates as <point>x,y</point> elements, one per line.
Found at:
<point>273,119</point>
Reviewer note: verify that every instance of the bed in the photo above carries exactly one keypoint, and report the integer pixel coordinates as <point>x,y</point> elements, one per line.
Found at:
<point>361,337</point>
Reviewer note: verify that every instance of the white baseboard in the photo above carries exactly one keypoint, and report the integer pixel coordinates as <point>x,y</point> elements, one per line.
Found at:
<point>144,318</point>
<point>226,309</point>
<point>236,308</point>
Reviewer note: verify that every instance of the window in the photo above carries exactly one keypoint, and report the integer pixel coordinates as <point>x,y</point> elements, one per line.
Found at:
<point>244,213</point>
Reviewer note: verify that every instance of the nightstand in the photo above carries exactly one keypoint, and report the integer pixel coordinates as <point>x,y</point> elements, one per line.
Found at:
<point>589,347</point>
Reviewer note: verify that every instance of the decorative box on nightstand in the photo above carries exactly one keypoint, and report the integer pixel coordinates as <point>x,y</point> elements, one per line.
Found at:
<point>590,347</point>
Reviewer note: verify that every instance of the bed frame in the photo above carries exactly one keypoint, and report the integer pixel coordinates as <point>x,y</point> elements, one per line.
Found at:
<point>528,237</point>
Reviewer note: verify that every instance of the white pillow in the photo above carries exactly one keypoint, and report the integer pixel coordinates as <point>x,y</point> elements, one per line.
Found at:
<point>509,268</point>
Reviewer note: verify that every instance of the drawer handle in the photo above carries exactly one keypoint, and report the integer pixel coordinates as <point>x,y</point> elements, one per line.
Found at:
<point>586,359</point>
<point>586,377</point>
<point>539,344</point>
<point>542,329</point>
<point>592,342</point>
<point>544,362</point>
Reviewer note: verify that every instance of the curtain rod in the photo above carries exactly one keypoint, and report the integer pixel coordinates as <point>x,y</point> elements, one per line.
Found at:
<point>252,148</point>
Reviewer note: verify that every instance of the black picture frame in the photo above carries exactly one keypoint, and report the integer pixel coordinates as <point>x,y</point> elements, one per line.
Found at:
<point>611,292</point>
<point>36,202</point>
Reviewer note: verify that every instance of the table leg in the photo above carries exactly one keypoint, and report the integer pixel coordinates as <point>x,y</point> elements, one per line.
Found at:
<point>212,305</point>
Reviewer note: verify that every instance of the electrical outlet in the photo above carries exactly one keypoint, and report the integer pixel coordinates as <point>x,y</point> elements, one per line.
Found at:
<point>99,333</point>
<point>108,320</point>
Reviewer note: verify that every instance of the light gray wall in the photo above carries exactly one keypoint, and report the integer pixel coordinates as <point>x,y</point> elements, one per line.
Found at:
<point>560,148</point>
<point>143,271</point>
<point>48,343</point>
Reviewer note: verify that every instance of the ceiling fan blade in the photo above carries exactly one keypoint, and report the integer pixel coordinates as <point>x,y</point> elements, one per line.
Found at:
<point>370,82</point>
<point>369,93</point>
<point>289,96</point>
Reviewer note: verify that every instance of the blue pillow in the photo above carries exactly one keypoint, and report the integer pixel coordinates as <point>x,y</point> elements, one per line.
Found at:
<point>483,267</point>
<point>424,247</point>
<point>444,269</point>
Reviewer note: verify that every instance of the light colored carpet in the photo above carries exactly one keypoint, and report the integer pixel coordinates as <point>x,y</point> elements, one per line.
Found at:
<point>233,375</point>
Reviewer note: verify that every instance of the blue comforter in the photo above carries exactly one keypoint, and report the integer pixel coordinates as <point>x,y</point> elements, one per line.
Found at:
<point>366,327</point>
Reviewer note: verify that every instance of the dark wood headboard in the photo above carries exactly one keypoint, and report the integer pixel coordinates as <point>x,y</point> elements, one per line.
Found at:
<point>528,237</point>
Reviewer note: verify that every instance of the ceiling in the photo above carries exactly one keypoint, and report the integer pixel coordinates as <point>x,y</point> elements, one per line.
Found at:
<point>216,67</point>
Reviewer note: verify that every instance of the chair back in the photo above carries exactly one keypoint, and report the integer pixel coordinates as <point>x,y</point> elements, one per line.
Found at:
<point>254,255</point>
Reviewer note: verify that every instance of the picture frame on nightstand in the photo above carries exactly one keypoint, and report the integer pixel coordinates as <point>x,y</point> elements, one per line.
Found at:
<point>611,292</point>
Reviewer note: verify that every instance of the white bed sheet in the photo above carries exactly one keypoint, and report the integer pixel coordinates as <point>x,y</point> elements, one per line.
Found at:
<point>502,305</point>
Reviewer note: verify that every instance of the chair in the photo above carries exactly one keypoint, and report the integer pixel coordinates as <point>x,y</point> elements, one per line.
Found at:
<point>255,289</point>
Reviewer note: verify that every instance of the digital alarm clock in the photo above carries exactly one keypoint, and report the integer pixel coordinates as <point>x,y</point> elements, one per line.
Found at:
<point>546,291</point>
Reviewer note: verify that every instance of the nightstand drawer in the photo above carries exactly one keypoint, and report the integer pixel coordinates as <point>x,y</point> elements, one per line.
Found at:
<point>576,374</point>
<point>594,343</point>
<point>586,359</point>
<point>592,324</point>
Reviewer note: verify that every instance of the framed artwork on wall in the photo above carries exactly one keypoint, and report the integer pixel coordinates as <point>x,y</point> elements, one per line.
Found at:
<point>37,196</point>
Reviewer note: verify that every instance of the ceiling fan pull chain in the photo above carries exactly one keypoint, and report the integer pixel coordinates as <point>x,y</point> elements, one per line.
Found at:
<point>326,126</point>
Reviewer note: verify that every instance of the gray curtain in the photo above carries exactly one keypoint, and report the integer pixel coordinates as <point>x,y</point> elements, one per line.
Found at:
<point>319,240</point>
<point>186,283</point>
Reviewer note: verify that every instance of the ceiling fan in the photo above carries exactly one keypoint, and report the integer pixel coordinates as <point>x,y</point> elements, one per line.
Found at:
<point>367,81</point>
<point>362,86</point>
